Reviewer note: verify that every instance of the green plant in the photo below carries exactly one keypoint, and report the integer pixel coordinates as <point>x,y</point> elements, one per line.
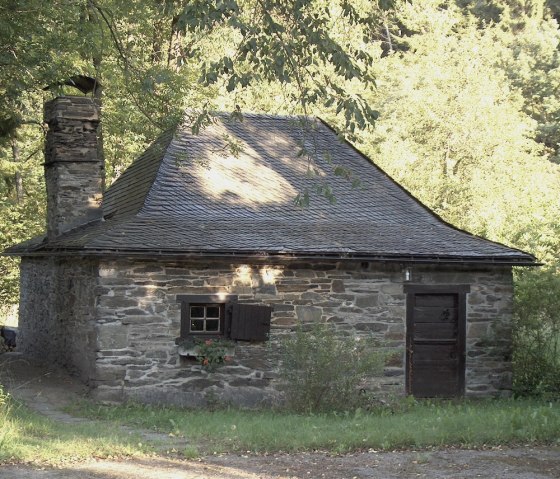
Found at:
<point>27,436</point>
<point>191,452</point>
<point>321,370</point>
<point>212,353</point>
<point>536,356</point>
<point>405,424</point>
<point>5,429</point>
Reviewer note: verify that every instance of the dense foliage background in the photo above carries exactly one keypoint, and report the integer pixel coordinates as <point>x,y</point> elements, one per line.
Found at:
<point>456,99</point>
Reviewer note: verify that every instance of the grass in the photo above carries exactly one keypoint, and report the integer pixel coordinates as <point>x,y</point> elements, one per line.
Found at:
<point>26,436</point>
<point>409,425</point>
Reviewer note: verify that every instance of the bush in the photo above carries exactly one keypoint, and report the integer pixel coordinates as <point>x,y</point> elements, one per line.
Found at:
<point>323,371</point>
<point>536,356</point>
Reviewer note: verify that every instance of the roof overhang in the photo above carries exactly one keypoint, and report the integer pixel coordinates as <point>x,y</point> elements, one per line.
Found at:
<point>280,256</point>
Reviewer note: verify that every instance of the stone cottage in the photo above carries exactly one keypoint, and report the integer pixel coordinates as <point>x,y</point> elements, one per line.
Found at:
<point>200,238</point>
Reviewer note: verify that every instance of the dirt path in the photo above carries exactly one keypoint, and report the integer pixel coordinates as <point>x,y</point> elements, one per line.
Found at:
<point>522,463</point>
<point>47,391</point>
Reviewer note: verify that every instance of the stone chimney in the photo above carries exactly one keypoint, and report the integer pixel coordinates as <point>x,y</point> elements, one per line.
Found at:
<point>74,166</point>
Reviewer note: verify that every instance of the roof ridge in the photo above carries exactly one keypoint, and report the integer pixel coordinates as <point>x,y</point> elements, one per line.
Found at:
<point>254,114</point>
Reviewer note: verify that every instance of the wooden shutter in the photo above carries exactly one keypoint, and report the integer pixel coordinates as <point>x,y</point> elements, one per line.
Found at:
<point>250,322</point>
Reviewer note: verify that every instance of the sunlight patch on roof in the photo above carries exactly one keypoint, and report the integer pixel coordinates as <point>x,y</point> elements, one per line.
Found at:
<point>243,181</point>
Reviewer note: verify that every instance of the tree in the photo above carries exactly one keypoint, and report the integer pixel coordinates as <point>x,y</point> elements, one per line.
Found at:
<point>532,64</point>
<point>466,91</point>
<point>455,130</point>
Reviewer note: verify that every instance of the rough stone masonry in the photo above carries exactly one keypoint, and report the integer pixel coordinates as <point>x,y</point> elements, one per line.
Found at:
<point>137,320</point>
<point>74,166</point>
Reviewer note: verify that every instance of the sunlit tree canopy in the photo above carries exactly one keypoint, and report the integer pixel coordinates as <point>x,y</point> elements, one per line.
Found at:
<point>456,99</point>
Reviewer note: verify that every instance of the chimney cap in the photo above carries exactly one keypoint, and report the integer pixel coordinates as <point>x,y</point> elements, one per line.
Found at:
<point>83,83</point>
<point>72,107</point>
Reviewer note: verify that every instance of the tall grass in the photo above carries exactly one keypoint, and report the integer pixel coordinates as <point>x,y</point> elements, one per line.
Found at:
<point>418,425</point>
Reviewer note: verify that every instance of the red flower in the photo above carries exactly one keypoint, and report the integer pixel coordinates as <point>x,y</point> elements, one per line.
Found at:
<point>227,358</point>
<point>208,342</point>
<point>205,362</point>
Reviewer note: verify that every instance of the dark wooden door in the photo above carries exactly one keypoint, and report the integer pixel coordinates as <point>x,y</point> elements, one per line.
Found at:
<point>435,344</point>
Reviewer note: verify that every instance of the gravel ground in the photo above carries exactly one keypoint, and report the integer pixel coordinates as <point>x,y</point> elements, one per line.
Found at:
<point>48,390</point>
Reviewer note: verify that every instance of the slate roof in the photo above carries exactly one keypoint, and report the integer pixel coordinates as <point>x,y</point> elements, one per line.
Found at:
<point>189,194</point>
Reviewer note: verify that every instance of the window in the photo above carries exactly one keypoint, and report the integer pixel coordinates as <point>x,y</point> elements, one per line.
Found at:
<point>206,318</point>
<point>223,316</point>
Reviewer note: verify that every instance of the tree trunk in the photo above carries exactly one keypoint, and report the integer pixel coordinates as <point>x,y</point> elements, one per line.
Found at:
<point>388,36</point>
<point>18,179</point>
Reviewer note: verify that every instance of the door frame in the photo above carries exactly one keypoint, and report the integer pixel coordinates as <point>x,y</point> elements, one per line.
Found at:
<point>461,291</point>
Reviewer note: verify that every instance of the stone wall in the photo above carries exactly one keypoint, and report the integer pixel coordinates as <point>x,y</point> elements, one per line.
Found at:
<point>57,315</point>
<point>76,281</point>
<point>39,331</point>
<point>489,320</point>
<point>138,320</point>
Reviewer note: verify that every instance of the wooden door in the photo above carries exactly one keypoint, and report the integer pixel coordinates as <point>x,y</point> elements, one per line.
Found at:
<point>435,343</point>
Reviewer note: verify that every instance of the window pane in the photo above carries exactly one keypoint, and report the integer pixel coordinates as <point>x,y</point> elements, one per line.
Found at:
<point>197,325</point>
<point>212,311</point>
<point>213,325</point>
<point>197,311</point>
